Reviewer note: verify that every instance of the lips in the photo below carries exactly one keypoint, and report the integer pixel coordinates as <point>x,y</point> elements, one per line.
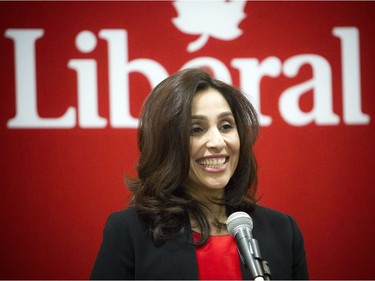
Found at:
<point>213,162</point>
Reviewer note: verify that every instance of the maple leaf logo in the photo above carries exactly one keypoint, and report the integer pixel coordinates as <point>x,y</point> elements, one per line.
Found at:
<point>218,19</point>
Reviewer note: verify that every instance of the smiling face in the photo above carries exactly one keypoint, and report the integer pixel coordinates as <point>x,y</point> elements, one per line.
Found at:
<point>214,144</point>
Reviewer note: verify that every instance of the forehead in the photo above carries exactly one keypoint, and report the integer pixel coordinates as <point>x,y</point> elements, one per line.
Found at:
<point>209,101</point>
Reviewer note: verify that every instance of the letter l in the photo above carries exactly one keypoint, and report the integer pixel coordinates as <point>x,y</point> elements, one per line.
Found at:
<point>351,78</point>
<point>25,76</point>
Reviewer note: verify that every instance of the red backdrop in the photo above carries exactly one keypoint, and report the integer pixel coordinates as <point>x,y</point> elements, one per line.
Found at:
<point>308,66</point>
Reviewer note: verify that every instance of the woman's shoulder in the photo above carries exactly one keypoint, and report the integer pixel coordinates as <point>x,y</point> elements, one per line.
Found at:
<point>264,215</point>
<point>124,219</point>
<point>260,210</point>
<point>267,221</point>
<point>129,213</point>
<point>281,242</point>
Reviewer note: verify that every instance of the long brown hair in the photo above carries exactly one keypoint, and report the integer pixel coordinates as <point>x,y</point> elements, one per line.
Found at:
<point>163,166</point>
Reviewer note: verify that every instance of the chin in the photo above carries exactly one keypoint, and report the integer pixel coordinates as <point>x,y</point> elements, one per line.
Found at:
<point>216,185</point>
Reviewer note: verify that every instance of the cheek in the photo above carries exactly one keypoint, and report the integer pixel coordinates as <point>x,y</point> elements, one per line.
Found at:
<point>236,146</point>
<point>194,148</point>
<point>235,143</point>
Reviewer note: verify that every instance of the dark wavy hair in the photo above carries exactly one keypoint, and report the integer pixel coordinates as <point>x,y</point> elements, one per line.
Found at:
<point>158,191</point>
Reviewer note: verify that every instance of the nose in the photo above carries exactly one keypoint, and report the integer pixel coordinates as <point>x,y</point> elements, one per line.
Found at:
<point>215,139</point>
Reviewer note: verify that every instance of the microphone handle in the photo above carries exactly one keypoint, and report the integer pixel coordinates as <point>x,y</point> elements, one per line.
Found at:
<point>243,238</point>
<point>257,257</point>
<point>261,264</point>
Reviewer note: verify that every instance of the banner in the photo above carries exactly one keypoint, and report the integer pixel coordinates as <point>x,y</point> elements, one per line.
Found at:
<point>74,75</point>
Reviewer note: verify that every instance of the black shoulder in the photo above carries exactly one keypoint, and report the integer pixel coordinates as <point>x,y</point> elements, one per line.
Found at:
<point>116,256</point>
<point>122,220</point>
<point>268,215</point>
<point>126,215</point>
<point>281,243</point>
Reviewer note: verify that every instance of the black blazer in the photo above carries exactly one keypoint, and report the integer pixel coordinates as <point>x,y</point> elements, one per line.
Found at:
<point>128,253</point>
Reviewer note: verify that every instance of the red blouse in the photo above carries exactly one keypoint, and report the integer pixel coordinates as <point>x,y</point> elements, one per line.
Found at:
<point>218,259</point>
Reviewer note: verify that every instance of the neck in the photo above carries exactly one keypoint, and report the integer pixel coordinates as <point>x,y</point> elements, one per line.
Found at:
<point>215,214</point>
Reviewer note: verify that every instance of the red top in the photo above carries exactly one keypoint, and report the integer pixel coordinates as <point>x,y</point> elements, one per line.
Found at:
<point>218,259</point>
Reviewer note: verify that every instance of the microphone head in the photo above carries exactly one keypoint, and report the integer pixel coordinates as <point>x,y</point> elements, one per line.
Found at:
<point>239,220</point>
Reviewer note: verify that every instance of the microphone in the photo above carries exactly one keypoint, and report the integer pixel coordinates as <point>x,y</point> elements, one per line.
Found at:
<point>240,225</point>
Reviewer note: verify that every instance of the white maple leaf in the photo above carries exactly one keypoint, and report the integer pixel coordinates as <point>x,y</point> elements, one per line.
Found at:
<point>218,19</point>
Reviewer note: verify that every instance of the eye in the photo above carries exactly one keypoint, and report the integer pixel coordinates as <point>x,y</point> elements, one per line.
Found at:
<point>226,126</point>
<point>196,130</point>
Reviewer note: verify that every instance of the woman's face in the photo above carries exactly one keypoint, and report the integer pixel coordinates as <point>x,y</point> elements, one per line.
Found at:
<point>214,143</point>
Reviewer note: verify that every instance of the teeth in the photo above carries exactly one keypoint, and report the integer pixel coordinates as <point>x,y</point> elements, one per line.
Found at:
<point>213,162</point>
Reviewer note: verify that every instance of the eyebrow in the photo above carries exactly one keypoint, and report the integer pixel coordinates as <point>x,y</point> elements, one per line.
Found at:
<point>204,117</point>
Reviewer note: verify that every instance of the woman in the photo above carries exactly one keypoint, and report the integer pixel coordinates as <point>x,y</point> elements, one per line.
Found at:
<point>196,167</point>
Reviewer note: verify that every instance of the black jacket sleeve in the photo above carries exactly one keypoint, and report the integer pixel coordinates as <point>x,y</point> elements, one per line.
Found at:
<point>281,243</point>
<point>127,252</point>
<point>299,258</point>
<point>115,259</point>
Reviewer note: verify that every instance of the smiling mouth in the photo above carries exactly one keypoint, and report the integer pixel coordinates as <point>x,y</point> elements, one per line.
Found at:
<point>213,162</point>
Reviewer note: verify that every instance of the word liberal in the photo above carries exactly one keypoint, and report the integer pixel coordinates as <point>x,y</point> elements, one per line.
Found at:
<point>251,71</point>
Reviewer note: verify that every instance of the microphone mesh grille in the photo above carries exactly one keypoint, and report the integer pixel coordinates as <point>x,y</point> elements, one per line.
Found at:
<point>239,219</point>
